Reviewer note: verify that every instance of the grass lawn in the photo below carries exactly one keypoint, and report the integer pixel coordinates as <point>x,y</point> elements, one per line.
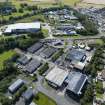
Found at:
<point>99,95</point>
<point>70,2</point>
<point>45,32</point>
<point>5,56</point>
<point>99,41</point>
<point>44,100</point>
<point>68,36</point>
<point>32,18</point>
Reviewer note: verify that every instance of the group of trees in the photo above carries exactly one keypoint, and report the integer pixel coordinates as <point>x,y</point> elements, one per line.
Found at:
<point>17,95</point>
<point>88,96</point>
<point>32,10</point>
<point>22,42</point>
<point>57,55</point>
<point>89,25</point>
<point>99,87</point>
<point>43,69</point>
<point>97,63</point>
<point>6,76</point>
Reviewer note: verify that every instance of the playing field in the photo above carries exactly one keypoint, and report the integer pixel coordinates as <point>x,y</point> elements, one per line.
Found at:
<point>5,56</point>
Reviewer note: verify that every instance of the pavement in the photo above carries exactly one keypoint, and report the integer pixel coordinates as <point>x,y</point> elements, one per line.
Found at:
<point>59,99</point>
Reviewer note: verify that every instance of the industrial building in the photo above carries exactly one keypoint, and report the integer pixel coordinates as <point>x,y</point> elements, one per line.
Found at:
<point>22,28</point>
<point>28,95</point>
<point>76,82</point>
<point>32,66</point>
<point>35,47</point>
<point>23,60</point>
<point>48,52</point>
<point>78,65</point>
<point>15,86</point>
<point>75,55</point>
<point>56,77</point>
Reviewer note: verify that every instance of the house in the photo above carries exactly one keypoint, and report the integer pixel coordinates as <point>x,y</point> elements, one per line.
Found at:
<point>33,65</point>
<point>76,82</point>
<point>56,77</point>
<point>15,86</point>
<point>35,47</point>
<point>22,28</point>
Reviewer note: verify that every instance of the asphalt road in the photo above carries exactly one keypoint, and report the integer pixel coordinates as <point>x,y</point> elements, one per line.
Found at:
<point>60,100</point>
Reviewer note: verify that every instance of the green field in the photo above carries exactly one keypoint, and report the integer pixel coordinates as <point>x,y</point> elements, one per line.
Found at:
<point>70,2</point>
<point>44,100</point>
<point>5,56</point>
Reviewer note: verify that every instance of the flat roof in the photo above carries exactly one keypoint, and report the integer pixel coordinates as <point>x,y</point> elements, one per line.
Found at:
<point>57,76</point>
<point>76,81</point>
<point>24,26</point>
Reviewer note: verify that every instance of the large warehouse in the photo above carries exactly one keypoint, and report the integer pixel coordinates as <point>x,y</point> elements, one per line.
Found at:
<point>76,82</point>
<point>56,77</point>
<point>22,28</point>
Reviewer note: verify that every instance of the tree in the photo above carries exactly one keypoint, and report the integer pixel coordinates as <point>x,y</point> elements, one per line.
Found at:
<point>88,96</point>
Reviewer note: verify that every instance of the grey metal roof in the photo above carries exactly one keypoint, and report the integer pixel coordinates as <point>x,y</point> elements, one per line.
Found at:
<point>17,84</point>
<point>23,60</point>
<point>28,94</point>
<point>48,52</point>
<point>32,65</point>
<point>76,81</point>
<point>75,54</point>
<point>35,47</point>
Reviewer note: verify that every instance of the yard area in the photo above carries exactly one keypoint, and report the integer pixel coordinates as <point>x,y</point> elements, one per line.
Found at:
<point>5,56</point>
<point>43,100</point>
